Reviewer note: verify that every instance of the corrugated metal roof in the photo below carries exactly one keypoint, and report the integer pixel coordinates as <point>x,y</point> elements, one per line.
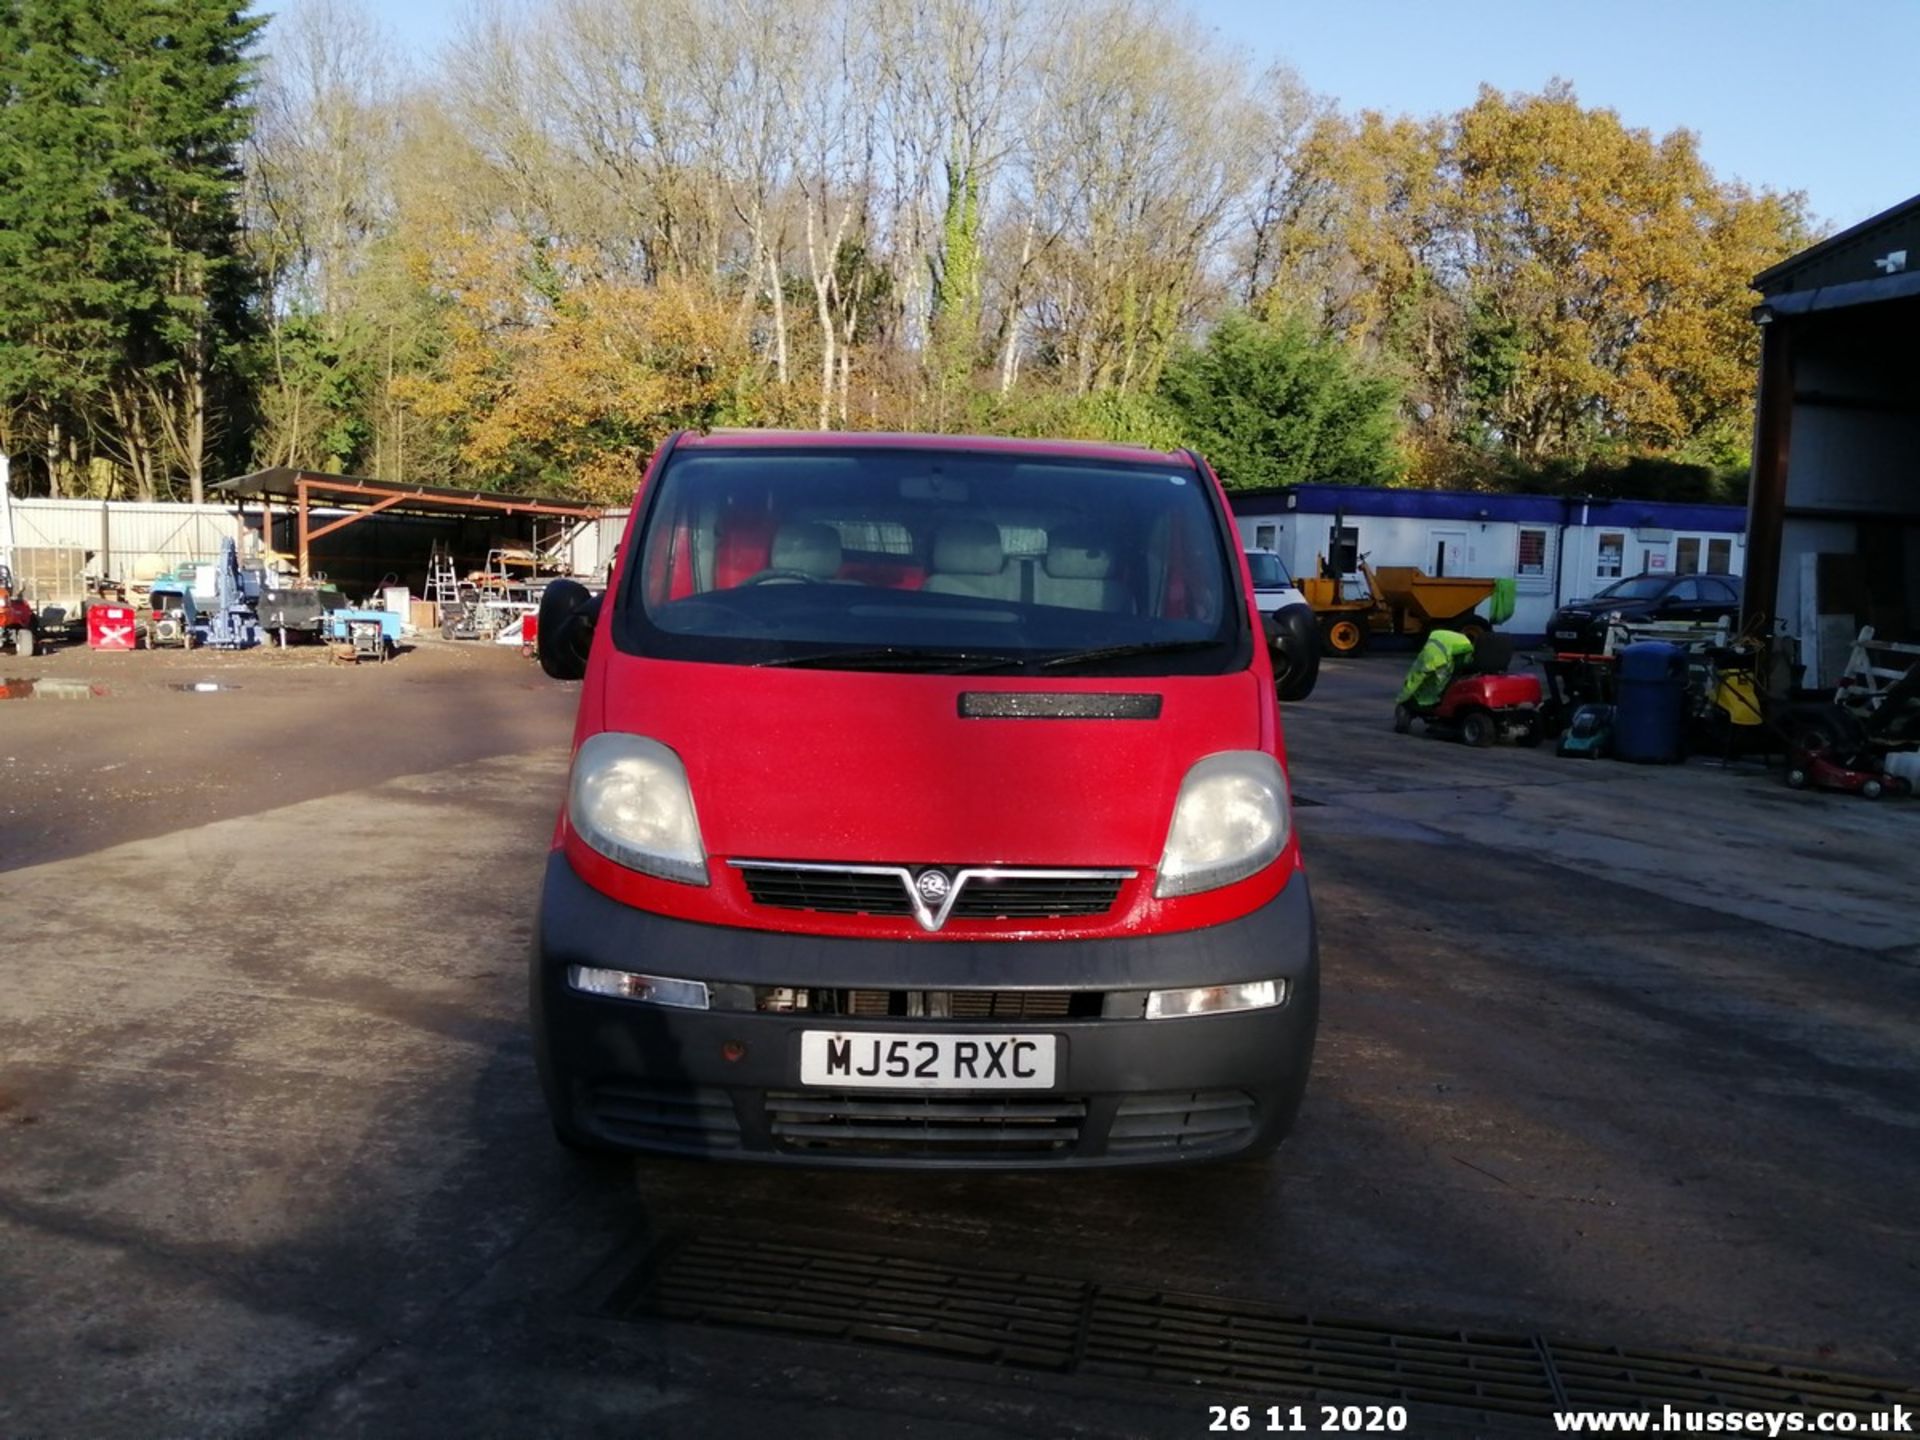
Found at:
<point>284,482</point>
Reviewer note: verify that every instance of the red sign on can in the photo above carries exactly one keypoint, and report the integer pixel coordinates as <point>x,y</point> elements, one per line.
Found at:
<point>110,627</point>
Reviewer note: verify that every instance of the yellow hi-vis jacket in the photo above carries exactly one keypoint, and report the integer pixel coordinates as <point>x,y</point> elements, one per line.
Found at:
<point>1433,668</point>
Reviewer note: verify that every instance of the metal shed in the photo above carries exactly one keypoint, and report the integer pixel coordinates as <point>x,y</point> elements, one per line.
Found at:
<point>438,510</point>
<point>1833,523</point>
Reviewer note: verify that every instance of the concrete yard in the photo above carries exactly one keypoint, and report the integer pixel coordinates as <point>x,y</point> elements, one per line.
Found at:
<point>1608,1054</point>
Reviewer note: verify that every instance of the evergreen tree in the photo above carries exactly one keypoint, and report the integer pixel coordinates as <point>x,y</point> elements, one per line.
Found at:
<point>124,298</point>
<point>179,116</point>
<point>63,234</point>
<point>1279,405</point>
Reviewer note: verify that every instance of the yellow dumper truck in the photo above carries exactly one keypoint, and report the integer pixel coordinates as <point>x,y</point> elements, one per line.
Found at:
<point>1398,600</point>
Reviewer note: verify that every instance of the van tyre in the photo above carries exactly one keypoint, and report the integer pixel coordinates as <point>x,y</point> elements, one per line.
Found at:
<point>1293,645</point>
<point>1478,729</point>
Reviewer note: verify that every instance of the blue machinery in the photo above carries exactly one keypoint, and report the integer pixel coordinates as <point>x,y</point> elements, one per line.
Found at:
<point>232,624</point>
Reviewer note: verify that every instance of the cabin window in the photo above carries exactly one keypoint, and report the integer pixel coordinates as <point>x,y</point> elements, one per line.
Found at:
<point>1532,557</point>
<point>1610,560</point>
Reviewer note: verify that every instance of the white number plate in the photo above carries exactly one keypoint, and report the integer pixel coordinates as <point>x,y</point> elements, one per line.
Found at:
<point>919,1061</point>
<point>1566,634</point>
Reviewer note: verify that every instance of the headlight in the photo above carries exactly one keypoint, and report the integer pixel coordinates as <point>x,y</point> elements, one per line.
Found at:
<point>1230,821</point>
<point>629,800</point>
<point>1216,999</point>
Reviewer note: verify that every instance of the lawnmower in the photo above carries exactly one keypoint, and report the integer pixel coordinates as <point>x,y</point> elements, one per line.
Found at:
<point>1589,732</point>
<point>1460,689</point>
<point>1820,769</point>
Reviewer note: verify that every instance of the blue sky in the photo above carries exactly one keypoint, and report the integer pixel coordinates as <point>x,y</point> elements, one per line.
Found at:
<point>1806,96</point>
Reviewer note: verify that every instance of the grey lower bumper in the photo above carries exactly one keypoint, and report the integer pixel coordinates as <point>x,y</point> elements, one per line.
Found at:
<point>725,1083</point>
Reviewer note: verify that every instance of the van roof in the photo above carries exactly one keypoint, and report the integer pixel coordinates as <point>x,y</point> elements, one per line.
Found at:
<point>881,440</point>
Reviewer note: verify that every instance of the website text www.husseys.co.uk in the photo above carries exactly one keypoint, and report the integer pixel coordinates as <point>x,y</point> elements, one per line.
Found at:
<point>1895,1420</point>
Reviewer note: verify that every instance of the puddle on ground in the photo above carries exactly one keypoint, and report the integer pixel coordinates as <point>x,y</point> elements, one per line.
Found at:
<point>28,689</point>
<point>203,687</point>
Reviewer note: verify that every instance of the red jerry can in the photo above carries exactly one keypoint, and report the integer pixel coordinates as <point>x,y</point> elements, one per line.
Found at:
<point>110,627</point>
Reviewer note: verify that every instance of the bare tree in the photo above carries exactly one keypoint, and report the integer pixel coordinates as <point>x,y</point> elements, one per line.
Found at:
<point>830,107</point>
<point>319,162</point>
<point>1152,141</point>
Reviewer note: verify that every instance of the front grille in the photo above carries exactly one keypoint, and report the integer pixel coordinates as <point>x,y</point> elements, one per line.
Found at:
<point>968,892</point>
<point>933,1004</point>
<point>1020,898</point>
<point>971,1127</point>
<point>1016,1004</point>
<point>830,892</point>
<point>692,1120</point>
<point>1180,1121</point>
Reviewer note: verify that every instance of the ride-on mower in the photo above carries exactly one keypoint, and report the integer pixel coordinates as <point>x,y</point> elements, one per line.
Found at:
<point>1460,689</point>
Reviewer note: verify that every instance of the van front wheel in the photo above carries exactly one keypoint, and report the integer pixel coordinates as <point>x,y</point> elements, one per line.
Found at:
<point>1295,650</point>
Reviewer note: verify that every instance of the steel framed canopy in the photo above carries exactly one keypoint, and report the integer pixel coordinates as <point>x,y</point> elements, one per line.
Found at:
<point>362,496</point>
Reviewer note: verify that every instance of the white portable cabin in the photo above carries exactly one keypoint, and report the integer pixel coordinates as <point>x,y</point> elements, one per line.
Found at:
<point>1554,549</point>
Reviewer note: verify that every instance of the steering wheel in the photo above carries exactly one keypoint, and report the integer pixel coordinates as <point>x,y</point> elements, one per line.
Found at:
<point>778,576</point>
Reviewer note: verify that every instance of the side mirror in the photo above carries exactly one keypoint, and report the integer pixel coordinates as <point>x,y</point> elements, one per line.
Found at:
<point>568,611</point>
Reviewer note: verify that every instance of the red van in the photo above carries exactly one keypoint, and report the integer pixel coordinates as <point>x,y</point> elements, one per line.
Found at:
<point>928,808</point>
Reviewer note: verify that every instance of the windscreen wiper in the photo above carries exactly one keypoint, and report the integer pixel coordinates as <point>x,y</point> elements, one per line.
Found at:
<point>1124,652</point>
<point>898,657</point>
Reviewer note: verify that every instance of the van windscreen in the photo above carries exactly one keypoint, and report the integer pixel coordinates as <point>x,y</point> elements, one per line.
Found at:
<point>1268,570</point>
<point>863,558</point>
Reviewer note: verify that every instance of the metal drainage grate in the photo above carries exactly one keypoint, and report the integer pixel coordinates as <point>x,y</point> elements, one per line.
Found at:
<point>1183,1339</point>
<point>1042,1322</point>
<point>1599,1377</point>
<point>998,1317</point>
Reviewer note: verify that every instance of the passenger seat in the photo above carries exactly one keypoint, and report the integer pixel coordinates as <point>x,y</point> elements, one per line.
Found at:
<point>1078,574</point>
<point>968,559</point>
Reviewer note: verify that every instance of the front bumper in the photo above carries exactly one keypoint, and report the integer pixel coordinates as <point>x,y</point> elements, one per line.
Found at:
<point>1579,634</point>
<point>1127,1091</point>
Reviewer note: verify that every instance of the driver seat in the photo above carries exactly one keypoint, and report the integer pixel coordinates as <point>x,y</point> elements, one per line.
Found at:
<point>808,547</point>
